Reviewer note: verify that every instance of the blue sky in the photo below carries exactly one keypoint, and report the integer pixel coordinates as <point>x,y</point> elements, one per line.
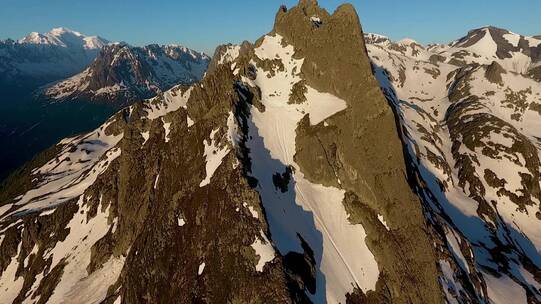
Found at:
<point>203,24</point>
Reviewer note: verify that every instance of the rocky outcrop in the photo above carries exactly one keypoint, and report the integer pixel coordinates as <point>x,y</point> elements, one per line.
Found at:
<point>494,73</point>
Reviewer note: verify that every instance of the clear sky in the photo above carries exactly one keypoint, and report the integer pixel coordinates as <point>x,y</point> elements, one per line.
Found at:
<point>203,24</point>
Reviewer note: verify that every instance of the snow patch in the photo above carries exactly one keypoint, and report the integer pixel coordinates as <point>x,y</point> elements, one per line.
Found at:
<point>382,220</point>
<point>146,136</point>
<point>214,156</point>
<point>201,268</point>
<point>264,250</point>
<point>156,181</point>
<point>512,38</point>
<point>10,285</point>
<point>75,283</point>
<point>167,129</point>
<point>180,221</point>
<point>171,100</point>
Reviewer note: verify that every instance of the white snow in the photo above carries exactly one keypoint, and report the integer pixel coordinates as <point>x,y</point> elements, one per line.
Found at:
<point>451,286</point>
<point>75,283</point>
<point>252,210</point>
<point>533,42</point>
<point>93,289</point>
<point>263,248</point>
<point>9,284</point>
<point>486,46</point>
<point>118,300</point>
<point>201,268</point>
<point>27,259</point>
<point>167,129</point>
<point>171,100</point>
<point>5,208</point>
<point>146,136</point>
<point>233,130</point>
<point>156,181</point>
<point>382,220</point>
<point>512,38</point>
<point>504,290</point>
<point>407,41</point>
<point>180,221</point>
<point>214,156</point>
<point>315,19</point>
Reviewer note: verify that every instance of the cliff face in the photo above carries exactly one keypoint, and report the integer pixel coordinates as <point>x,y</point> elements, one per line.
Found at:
<point>278,178</point>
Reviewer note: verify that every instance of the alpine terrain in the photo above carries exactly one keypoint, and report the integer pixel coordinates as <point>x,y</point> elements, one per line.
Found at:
<point>308,166</point>
<point>123,74</point>
<point>470,116</point>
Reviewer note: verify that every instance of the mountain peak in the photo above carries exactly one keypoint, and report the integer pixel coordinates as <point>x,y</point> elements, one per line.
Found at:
<point>58,31</point>
<point>407,41</point>
<point>64,37</point>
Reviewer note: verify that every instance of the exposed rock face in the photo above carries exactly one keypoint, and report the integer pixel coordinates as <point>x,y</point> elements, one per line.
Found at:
<point>494,73</point>
<point>472,131</point>
<point>231,190</point>
<point>124,74</point>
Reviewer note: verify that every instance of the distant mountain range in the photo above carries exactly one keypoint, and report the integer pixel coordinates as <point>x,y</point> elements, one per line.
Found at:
<point>514,52</point>
<point>123,73</point>
<point>40,58</point>
<point>92,68</point>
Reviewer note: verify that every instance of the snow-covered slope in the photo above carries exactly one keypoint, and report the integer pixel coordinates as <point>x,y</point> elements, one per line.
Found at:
<point>123,73</point>
<point>42,58</point>
<point>471,120</point>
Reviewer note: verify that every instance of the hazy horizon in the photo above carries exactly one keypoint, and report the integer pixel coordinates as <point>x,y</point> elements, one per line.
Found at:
<point>205,24</point>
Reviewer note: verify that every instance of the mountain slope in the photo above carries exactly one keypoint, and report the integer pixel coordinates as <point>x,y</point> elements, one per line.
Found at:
<point>40,58</point>
<point>470,117</point>
<point>266,182</point>
<point>125,73</point>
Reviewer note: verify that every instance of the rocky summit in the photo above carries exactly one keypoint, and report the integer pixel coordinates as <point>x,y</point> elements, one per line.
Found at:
<point>317,164</point>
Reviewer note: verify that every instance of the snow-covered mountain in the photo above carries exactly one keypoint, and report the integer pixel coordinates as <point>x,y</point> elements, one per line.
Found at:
<point>41,58</point>
<point>265,182</point>
<point>122,73</point>
<point>470,114</point>
<point>288,174</point>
